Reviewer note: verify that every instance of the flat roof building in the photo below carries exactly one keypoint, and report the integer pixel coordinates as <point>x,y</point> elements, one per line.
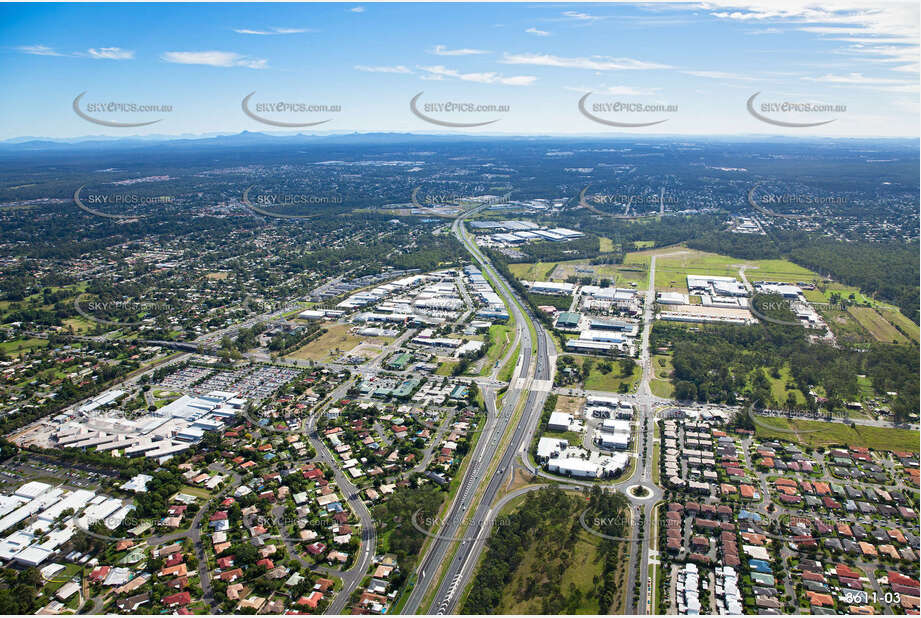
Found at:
<point>568,319</point>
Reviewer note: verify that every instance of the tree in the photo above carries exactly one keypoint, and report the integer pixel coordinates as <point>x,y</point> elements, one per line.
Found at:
<point>685,391</point>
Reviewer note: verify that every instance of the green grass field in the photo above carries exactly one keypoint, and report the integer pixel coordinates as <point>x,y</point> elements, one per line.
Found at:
<point>337,340</point>
<point>445,368</point>
<point>501,337</point>
<point>582,566</point>
<point>877,325</point>
<point>878,438</point>
<point>22,345</point>
<point>598,381</point>
<point>779,387</point>
<point>539,271</point>
<point>198,492</point>
<point>900,321</point>
<point>845,326</point>
<point>679,262</point>
<point>660,384</point>
<point>621,275</point>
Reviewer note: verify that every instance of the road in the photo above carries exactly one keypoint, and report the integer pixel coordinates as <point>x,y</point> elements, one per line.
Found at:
<point>484,453</point>
<point>463,566</point>
<point>642,472</point>
<point>467,524</point>
<point>351,578</point>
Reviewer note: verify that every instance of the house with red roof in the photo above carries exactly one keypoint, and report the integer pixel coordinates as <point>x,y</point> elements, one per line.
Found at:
<point>180,599</point>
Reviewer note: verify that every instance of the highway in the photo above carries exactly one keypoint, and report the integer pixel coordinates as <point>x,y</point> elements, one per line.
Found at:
<point>487,448</point>
<point>467,524</point>
<point>463,566</point>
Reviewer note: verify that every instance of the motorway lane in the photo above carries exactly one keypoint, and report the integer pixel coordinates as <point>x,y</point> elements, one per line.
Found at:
<point>457,577</point>
<point>639,559</point>
<point>461,567</point>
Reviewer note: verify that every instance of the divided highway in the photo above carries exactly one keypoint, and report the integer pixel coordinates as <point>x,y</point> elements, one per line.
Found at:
<point>467,522</point>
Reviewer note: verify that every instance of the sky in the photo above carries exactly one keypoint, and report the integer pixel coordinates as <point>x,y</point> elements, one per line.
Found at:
<point>674,68</point>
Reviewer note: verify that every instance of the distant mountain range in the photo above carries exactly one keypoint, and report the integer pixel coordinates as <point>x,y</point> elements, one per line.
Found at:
<point>255,138</point>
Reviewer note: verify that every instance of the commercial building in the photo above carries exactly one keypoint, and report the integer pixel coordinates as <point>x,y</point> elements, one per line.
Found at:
<point>551,287</point>
<point>568,320</point>
<point>548,448</point>
<point>716,286</point>
<point>559,421</point>
<point>671,298</point>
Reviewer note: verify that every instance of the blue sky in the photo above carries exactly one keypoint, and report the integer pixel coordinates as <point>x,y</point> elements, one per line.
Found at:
<point>535,59</point>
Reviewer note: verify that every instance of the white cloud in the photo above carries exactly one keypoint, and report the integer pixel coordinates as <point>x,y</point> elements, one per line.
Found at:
<point>537,32</point>
<point>719,75</point>
<point>357,9</point>
<point>395,69</point>
<point>214,59</point>
<point>441,50</point>
<point>439,72</point>
<point>576,15</point>
<point>594,63</point>
<point>39,50</point>
<point>861,80</point>
<point>271,31</point>
<point>110,53</point>
<point>621,91</point>
<point>855,21</point>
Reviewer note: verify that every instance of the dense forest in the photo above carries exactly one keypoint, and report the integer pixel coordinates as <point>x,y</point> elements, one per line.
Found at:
<point>724,363</point>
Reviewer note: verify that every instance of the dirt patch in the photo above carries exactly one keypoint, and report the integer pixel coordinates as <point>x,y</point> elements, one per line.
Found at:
<point>570,405</point>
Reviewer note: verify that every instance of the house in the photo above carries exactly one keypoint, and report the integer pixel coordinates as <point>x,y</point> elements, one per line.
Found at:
<point>312,600</point>
<point>225,563</point>
<point>235,591</point>
<point>315,549</point>
<point>131,604</point>
<point>180,599</point>
<point>177,570</point>
<point>254,603</point>
<point>232,575</point>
